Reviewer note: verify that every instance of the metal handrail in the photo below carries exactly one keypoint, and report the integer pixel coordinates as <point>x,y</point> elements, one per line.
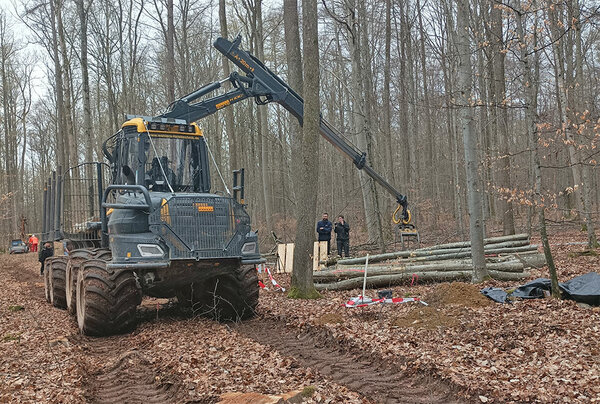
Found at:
<point>139,188</point>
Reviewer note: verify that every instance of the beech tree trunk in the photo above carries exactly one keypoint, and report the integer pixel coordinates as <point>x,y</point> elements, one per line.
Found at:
<point>531,120</point>
<point>499,84</point>
<point>229,119</point>
<point>302,281</point>
<point>362,120</point>
<point>474,188</point>
<point>170,67</point>
<point>294,66</point>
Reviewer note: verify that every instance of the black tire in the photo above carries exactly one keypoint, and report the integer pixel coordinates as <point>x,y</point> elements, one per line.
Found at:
<point>47,268</point>
<point>57,277</point>
<point>76,259</point>
<point>106,299</point>
<point>231,297</point>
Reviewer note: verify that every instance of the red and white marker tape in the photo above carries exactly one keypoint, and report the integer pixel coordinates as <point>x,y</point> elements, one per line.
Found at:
<point>362,302</point>
<point>273,281</point>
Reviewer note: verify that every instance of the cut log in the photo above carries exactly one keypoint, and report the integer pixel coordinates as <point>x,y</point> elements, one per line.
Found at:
<point>487,241</point>
<point>531,259</point>
<point>347,272</point>
<point>330,261</point>
<point>396,279</point>
<point>452,253</point>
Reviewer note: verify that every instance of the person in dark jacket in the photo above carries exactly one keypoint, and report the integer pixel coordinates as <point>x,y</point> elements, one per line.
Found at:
<point>46,252</point>
<point>324,229</point>
<point>342,231</point>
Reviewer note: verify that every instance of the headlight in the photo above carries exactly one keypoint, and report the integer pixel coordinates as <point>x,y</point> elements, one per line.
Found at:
<point>249,248</point>
<point>150,250</point>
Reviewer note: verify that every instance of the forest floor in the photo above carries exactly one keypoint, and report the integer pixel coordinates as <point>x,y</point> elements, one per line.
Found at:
<point>460,348</point>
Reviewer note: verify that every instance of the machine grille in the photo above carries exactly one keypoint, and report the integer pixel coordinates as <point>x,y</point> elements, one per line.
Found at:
<point>201,227</point>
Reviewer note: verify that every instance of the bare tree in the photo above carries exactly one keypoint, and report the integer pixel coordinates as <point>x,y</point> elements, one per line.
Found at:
<point>294,66</point>
<point>302,280</point>
<point>465,99</point>
<point>531,117</point>
<point>229,119</point>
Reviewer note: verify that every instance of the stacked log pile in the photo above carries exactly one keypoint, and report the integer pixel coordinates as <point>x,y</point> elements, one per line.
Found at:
<point>507,258</point>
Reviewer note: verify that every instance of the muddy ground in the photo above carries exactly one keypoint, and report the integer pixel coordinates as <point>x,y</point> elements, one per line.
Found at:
<point>459,349</point>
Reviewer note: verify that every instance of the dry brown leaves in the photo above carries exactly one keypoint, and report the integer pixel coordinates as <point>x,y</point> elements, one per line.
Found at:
<point>36,364</point>
<point>529,351</point>
<point>45,360</point>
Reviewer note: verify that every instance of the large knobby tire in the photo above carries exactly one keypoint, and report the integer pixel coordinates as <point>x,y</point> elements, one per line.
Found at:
<point>76,259</point>
<point>231,297</point>
<point>47,267</point>
<point>106,299</point>
<point>57,277</point>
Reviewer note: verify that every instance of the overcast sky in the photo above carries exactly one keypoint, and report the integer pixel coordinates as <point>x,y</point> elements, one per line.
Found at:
<point>22,37</point>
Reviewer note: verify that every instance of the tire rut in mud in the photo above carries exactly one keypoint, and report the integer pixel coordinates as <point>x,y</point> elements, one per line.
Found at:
<point>369,376</point>
<point>128,377</point>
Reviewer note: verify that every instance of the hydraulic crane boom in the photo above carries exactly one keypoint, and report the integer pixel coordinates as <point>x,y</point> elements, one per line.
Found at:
<point>265,86</point>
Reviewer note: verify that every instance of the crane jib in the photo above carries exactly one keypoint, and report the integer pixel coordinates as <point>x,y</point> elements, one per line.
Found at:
<point>265,86</point>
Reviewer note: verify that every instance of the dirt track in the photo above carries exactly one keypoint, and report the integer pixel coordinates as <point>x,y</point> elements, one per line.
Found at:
<point>172,358</point>
<point>127,376</point>
<point>369,375</point>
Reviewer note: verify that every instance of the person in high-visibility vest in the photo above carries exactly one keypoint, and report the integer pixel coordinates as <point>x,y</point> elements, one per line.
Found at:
<point>33,243</point>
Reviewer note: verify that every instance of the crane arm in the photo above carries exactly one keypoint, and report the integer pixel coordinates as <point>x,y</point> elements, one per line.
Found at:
<point>265,86</point>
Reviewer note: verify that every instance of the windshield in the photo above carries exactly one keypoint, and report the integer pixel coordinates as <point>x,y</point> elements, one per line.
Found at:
<point>176,162</point>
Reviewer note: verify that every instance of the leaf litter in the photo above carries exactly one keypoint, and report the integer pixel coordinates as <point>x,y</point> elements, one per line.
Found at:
<point>530,351</point>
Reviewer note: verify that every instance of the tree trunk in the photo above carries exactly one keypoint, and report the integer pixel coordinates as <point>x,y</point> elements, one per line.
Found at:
<point>302,282</point>
<point>294,66</point>
<point>229,118</point>
<point>85,83</point>
<point>263,130</point>
<point>69,137</point>
<point>579,117</point>
<point>499,87</point>
<point>170,65</point>
<point>59,90</point>
<point>474,190</point>
<point>387,108</point>
<point>531,125</point>
<point>363,125</point>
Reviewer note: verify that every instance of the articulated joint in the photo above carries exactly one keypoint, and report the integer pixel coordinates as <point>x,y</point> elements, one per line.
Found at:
<point>402,201</point>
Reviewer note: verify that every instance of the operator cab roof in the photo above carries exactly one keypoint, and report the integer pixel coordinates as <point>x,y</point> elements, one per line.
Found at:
<point>164,127</point>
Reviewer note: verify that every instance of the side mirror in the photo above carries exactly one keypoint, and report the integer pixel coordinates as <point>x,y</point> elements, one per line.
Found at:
<point>238,185</point>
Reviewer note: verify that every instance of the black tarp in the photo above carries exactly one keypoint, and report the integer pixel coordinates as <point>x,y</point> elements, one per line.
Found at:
<point>584,289</point>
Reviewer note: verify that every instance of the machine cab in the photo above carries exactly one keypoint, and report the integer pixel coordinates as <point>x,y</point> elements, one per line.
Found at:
<point>163,157</point>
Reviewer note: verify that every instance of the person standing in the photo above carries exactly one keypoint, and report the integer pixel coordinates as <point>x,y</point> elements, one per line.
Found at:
<point>33,243</point>
<point>46,252</point>
<point>324,230</point>
<point>342,231</point>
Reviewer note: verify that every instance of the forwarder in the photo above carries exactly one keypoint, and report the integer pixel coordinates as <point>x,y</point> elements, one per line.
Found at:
<point>157,230</point>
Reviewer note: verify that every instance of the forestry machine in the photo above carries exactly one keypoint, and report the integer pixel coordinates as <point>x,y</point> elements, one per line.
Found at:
<point>147,223</point>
